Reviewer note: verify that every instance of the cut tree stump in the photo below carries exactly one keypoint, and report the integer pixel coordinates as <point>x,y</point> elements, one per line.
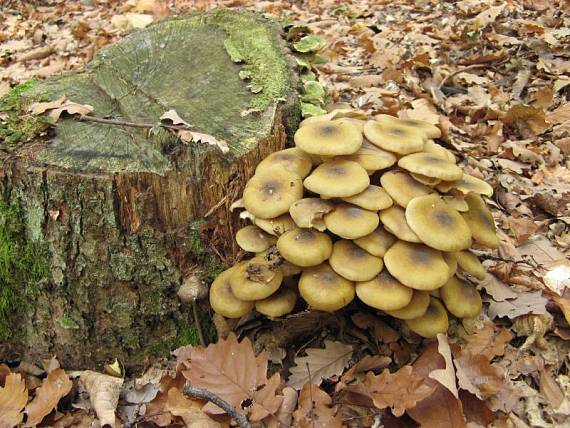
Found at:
<point>100,224</point>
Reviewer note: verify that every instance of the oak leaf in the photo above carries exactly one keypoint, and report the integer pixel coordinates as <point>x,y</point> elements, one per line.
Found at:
<point>13,399</point>
<point>487,341</point>
<point>53,388</point>
<point>104,392</point>
<point>524,303</point>
<point>189,410</point>
<point>59,106</point>
<point>315,409</point>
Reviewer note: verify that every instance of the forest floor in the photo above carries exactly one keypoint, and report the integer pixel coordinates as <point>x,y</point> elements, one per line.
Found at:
<point>495,76</point>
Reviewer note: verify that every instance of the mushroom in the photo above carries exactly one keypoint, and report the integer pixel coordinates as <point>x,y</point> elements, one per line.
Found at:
<point>480,221</point>
<point>433,322</point>
<point>394,221</point>
<point>384,292</point>
<point>275,226</point>
<point>278,304</point>
<point>394,137</point>
<point>372,198</point>
<point>416,308</point>
<point>402,188</point>
<point>430,130</point>
<point>354,263</point>
<point>255,279</point>
<point>467,184</point>
<point>435,149</point>
<point>327,138</point>
<point>451,260</point>
<point>253,239</point>
<point>337,179</point>
<point>431,166</point>
<point>461,298</point>
<point>358,123</point>
<point>469,263</point>
<point>416,265</point>
<point>371,158</point>
<point>376,243</point>
<point>293,160</point>
<point>305,247</point>
<point>271,192</point>
<point>223,301</point>
<point>325,290</point>
<point>309,212</point>
<point>456,202</point>
<point>351,222</point>
<point>424,179</point>
<point>437,224</point>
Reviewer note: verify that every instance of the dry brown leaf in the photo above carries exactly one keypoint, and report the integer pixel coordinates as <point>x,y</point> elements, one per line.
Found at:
<point>497,289</point>
<point>446,375</point>
<point>524,303</point>
<point>231,370</point>
<point>211,140</point>
<point>560,115</point>
<point>382,331</point>
<point>104,391</point>
<point>189,410</point>
<point>527,117</point>
<point>320,364</point>
<point>13,399</point>
<point>488,341</point>
<point>173,116</point>
<point>315,409</point>
<point>59,106</point>
<point>488,16</point>
<point>53,388</point>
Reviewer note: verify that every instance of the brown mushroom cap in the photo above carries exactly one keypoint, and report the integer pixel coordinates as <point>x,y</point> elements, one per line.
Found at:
<point>469,263</point>
<point>402,188</point>
<point>480,221</point>
<point>437,224</point>
<point>394,137</point>
<point>376,243</point>
<point>416,308</point>
<point>293,160</point>
<point>337,179</point>
<point>354,263</point>
<point>275,226</point>
<point>467,184</point>
<point>270,193</point>
<point>433,322</point>
<point>222,299</point>
<point>384,292</point>
<point>255,279</point>
<point>278,304</point>
<point>431,166</point>
<point>328,138</point>
<point>435,149</point>
<point>416,265</point>
<point>325,290</point>
<point>461,298</point>
<point>430,131</point>
<point>351,222</point>
<point>394,221</point>
<point>309,212</point>
<point>371,158</point>
<point>305,247</point>
<point>372,198</point>
<point>253,239</point>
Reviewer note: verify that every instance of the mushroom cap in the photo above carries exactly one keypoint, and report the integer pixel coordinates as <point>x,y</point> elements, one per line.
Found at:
<point>255,279</point>
<point>467,184</point>
<point>335,112</point>
<point>293,160</point>
<point>402,188</point>
<point>430,130</point>
<point>424,179</point>
<point>328,138</point>
<point>358,123</point>
<point>271,192</point>
<point>371,158</point>
<point>289,269</point>
<point>337,179</point>
<point>384,292</point>
<point>431,166</point>
<point>275,226</point>
<point>309,212</point>
<point>223,301</point>
<point>480,221</point>
<point>416,308</point>
<point>278,304</point>
<point>394,221</point>
<point>325,290</point>
<point>373,198</point>
<point>377,242</point>
<point>354,263</point>
<point>351,222</point>
<point>433,322</point>
<point>253,239</point>
<point>461,298</point>
<point>305,247</point>
<point>394,137</point>
<point>451,260</point>
<point>456,202</point>
<point>437,224</point>
<point>469,263</point>
<point>416,265</point>
<point>435,149</point>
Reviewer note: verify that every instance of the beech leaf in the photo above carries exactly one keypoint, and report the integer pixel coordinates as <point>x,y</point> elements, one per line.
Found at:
<point>13,399</point>
<point>53,388</point>
<point>315,409</point>
<point>104,391</point>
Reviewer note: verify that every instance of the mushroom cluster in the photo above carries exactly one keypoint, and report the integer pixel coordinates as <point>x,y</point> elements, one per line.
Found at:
<point>368,208</point>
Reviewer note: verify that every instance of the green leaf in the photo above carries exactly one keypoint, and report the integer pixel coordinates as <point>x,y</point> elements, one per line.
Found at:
<point>314,93</point>
<point>320,59</point>
<point>310,43</point>
<point>308,110</point>
<point>303,63</point>
<point>309,76</point>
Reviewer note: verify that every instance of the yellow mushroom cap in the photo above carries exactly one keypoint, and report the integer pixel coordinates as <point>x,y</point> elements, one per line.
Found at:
<point>376,243</point>
<point>433,322</point>
<point>431,166</point>
<point>289,269</point>
<point>275,226</point>
<point>437,224</point>
<point>325,290</point>
<point>371,158</point>
<point>336,111</point>
<point>358,123</point>
<point>373,198</point>
<point>253,239</point>
<point>402,188</point>
<point>354,263</point>
<point>451,260</point>
<point>384,292</point>
<point>429,130</point>
<point>309,212</point>
<point>467,184</point>
<point>456,202</point>
<point>416,308</point>
<point>394,221</point>
<point>337,179</point>
<point>293,160</point>
<point>351,222</point>
<point>424,179</point>
<point>469,263</point>
<point>328,138</point>
<point>270,193</point>
<point>416,265</point>
<point>480,221</point>
<point>305,247</point>
<point>278,304</point>
<point>461,298</point>
<point>435,149</point>
<point>394,138</point>
<point>222,299</point>
<point>255,279</point>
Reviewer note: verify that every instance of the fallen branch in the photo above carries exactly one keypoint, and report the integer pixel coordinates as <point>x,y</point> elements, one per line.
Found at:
<point>115,122</point>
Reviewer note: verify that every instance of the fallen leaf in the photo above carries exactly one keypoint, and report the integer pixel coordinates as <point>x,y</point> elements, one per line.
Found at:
<point>524,303</point>
<point>445,376</point>
<point>173,116</point>
<point>488,16</point>
<point>104,392</point>
<point>527,117</point>
<point>189,410</point>
<point>53,388</point>
<point>497,289</point>
<point>213,141</point>
<point>315,409</point>
<point>488,341</point>
<point>382,331</point>
<point>560,115</point>
<point>59,106</point>
<point>13,399</point>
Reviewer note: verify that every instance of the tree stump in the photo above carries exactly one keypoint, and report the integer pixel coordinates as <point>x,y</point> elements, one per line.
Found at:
<point>100,224</point>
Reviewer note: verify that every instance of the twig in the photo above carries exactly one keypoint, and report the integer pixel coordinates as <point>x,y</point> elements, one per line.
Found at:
<point>215,207</point>
<point>131,124</point>
<point>197,322</point>
<point>456,72</point>
<point>204,394</point>
<point>510,260</point>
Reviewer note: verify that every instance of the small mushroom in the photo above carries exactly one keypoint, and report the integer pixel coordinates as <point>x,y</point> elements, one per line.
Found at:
<point>433,322</point>
<point>384,292</point>
<point>351,222</point>
<point>461,298</point>
<point>431,166</point>
<point>371,158</point>
<point>469,263</point>
<point>224,301</point>
<point>328,138</point>
<point>372,198</point>
<point>376,243</point>
<point>467,184</point>
<point>354,263</point>
<point>325,290</point>
<point>255,279</point>
<point>402,188</point>
<point>358,123</point>
<point>480,221</point>
<point>293,160</point>
<point>416,308</point>
<point>337,179</point>
<point>430,130</point>
<point>275,226</point>
<point>435,149</point>
<point>456,202</point>
<point>278,304</point>
<point>451,260</point>
<point>305,247</point>
<point>394,137</point>
<point>253,239</point>
<point>394,221</point>
<point>424,179</point>
<point>309,212</point>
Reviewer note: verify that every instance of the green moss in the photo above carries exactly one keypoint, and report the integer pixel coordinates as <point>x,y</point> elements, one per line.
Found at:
<point>11,101</point>
<point>67,323</point>
<point>211,265</point>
